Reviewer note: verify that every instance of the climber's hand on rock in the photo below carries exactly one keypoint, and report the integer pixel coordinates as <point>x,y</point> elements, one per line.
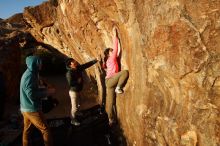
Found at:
<point>99,58</point>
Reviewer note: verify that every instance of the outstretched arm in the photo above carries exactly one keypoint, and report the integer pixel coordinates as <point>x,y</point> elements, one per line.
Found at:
<point>87,65</point>
<point>119,48</point>
<point>116,45</point>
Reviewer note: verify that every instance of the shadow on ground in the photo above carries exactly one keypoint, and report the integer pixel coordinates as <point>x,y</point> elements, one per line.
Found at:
<point>94,131</point>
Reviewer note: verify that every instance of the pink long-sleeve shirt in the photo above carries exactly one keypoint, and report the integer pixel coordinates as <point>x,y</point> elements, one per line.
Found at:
<point>111,63</point>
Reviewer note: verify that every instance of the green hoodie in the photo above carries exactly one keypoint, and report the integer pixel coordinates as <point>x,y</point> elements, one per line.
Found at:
<point>30,93</point>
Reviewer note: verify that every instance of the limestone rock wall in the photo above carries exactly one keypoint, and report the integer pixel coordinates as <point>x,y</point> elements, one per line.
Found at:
<point>171,49</point>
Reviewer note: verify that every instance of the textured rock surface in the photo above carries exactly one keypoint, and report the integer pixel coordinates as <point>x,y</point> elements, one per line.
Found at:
<point>172,51</point>
<point>11,30</point>
<point>14,40</point>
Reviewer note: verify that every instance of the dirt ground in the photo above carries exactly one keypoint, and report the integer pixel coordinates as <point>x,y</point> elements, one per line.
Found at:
<point>62,95</point>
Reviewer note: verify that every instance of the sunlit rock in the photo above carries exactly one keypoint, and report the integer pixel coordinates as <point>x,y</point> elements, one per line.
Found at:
<point>171,49</point>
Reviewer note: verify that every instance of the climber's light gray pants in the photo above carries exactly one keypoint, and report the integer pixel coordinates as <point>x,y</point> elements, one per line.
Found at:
<point>74,97</point>
<point>118,80</point>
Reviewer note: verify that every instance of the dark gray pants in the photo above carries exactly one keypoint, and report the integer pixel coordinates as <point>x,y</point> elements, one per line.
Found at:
<point>118,80</point>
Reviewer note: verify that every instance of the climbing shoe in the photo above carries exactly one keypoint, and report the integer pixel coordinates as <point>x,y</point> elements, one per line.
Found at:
<point>75,122</point>
<point>118,90</point>
<point>112,122</point>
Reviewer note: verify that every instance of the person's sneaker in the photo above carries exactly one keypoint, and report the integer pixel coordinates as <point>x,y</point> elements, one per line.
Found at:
<point>75,122</point>
<point>112,122</point>
<point>118,90</point>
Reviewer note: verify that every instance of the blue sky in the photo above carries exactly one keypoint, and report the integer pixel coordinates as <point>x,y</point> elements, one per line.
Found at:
<point>11,7</point>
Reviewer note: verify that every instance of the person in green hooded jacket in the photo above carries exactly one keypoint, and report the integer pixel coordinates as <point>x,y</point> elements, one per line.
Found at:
<point>75,81</point>
<point>30,101</point>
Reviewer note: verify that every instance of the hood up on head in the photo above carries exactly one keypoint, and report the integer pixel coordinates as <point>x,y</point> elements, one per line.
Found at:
<point>33,63</point>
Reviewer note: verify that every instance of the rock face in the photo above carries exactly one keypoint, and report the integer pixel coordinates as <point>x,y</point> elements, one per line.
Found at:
<point>171,49</point>
<point>14,40</point>
<point>11,31</point>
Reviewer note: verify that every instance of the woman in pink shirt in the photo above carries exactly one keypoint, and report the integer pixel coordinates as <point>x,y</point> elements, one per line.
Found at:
<point>115,79</point>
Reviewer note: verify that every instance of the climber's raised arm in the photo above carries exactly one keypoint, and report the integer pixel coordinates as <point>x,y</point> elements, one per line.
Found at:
<point>115,48</point>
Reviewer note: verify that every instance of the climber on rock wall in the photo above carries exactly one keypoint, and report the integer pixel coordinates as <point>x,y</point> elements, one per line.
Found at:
<point>115,79</point>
